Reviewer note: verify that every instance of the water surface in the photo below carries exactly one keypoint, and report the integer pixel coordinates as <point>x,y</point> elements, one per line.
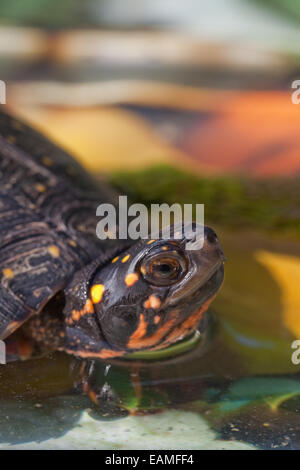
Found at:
<point>237,388</point>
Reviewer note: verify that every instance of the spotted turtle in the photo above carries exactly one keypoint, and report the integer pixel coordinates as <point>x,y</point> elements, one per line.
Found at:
<point>63,288</point>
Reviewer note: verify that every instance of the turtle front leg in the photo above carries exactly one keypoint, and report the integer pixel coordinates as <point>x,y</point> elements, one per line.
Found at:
<point>105,402</point>
<point>18,347</point>
<point>46,330</point>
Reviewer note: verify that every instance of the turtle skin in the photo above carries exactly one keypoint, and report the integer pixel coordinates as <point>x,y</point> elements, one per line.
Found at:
<point>47,221</point>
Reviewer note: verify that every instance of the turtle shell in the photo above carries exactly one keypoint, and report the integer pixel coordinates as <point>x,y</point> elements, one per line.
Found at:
<point>47,221</point>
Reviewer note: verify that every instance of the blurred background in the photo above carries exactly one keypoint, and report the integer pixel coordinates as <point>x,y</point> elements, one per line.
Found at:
<point>203,84</point>
<point>186,101</point>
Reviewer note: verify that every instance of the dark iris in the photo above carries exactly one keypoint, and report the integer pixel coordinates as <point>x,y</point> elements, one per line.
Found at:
<point>166,268</point>
<point>163,269</point>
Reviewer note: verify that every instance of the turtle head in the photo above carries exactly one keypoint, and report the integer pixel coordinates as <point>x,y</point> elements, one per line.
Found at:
<point>155,293</point>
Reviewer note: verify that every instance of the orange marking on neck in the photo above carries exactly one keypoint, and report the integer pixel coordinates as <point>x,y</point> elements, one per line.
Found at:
<point>137,341</point>
<point>103,353</point>
<point>139,332</point>
<point>88,308</point>
<point>192,321</point>
<point>152,302</point>
<point>106,353</point>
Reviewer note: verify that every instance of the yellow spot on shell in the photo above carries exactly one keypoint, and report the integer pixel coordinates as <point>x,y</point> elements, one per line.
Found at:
<point>41,188</point>
<point>115,259</point>
<point>72,243</point>
<point>97,292</point>
<point>150,241</point>
<point>131,279</point>
<point>164,248</point>
<point>156,319</point>
<point>8,273</point>
<point>126,258</point>
<point>54,251</point>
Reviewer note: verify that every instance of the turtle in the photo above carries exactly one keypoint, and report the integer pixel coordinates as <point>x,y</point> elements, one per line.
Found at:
<point>62,287</point>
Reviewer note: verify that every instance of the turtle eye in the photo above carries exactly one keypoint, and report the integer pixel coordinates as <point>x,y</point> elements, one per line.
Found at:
<point>164,269</point>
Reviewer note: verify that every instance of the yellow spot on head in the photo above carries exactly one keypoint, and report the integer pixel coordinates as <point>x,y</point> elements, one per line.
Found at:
<point>8,273</point>
<point>54,251</point>
<point>150,241</point>
<point>131,279</point>
<point>97,292</point>
<point>126,258</point>
<point>143,270</point>
<point>40,188</point>
<point>115,259</point>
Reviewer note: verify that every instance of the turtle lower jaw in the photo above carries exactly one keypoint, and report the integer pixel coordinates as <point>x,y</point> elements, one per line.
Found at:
<point>175,349</point>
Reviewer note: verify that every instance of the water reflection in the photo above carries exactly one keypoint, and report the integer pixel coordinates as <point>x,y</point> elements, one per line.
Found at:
<point>239,377</point>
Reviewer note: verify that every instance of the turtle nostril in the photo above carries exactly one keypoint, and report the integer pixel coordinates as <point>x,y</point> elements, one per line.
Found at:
<point>210,235</point>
